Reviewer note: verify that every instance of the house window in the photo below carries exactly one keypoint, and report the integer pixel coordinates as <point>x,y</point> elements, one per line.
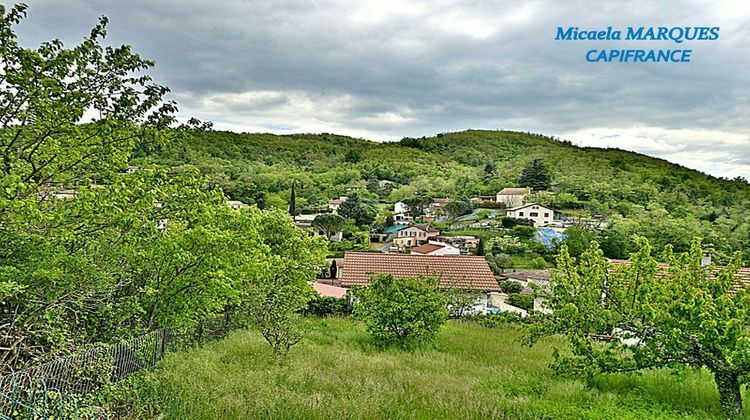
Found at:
<point>546,214</point>
<point>520,213</point>
<point>533,214</point>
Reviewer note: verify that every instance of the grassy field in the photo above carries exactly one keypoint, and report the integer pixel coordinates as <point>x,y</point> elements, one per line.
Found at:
<point>470,372</point>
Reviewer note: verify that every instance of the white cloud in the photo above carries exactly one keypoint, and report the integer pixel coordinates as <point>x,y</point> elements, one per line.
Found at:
<point>716,152</point>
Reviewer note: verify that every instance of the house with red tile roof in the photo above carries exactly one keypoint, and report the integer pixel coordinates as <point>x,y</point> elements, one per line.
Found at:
<point>453,271</point>
<point>436,248</point>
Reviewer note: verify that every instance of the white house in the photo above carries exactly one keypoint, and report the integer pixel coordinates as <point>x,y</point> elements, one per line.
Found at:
<point>401,213</point>
<point>334,204</point>
<point>436,248</point>
<point>540,215</point>
<point>513,197</point>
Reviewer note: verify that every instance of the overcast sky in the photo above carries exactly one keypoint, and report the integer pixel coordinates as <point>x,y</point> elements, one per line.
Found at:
<point>387,69</point>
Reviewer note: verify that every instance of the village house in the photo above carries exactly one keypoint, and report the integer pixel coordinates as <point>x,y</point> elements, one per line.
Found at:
<point>464,243</point>
<point>401,213</point>
<point>484,199</point>
<point>334,204</point>
<point>534,282</point>
<point>414,235</point>
<point>540,215</point>
<point>453,271</point>
<point>436,248</point>
<point>435,211</point>
<point>513,197</point>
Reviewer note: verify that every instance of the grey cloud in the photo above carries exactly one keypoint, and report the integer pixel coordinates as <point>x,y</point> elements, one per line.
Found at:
<point>395,68</point>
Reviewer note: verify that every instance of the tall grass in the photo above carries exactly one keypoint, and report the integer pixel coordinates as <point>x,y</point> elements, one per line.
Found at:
<point>470,372</point>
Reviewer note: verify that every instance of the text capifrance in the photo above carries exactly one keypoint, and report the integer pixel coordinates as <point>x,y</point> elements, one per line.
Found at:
<point>679,35</point>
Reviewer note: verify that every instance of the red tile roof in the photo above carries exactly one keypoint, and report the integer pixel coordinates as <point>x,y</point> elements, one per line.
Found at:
<point>471,272</point>
<point>329,290</point>
<point>426,248</point>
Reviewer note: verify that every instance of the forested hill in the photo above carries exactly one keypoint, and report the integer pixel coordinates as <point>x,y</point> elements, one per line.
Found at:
<point>638,194</point>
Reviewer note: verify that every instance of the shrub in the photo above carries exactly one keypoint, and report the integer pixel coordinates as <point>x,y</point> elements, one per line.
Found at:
<point>522,231</point>
<point>521,301</point>
<point>499,319</point>
<point>401,311</point>
<point>509,222</point>
<point>328,306</point>
<point>511,286</point>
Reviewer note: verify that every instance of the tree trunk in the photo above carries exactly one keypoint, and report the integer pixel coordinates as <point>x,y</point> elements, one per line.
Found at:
<point>729,393</point>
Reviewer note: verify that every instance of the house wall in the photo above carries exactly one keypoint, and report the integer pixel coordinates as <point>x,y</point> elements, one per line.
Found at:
<point>510,200</point>
<point>540,215</point>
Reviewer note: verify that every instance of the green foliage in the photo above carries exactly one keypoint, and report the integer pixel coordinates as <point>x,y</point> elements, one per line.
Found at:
<point>417,205</point>
<point>578,240</point>
<point>330,224</point>
<point>498,262</point>
<point>359,210</point>
<point>519,300</point>
<point>511,286</point>
<point>651,197</point>
<point>293,202</point>
<point>680,315</point>
<point>156,248</point>
<point>460,302</point>
<point>456,209</point>
<point>536,175</point>
<point>328,306</point>
<point>523,232</point>
<point>403,312</point>
<point>511,222</point>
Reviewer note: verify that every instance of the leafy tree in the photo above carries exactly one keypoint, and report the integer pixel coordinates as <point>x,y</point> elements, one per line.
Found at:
<point>330,224</point>
<point>523,231</point>
<point>401,311</point>
<point>577,240</point>
<point>460,301</point>
<point>417,205</point>
<point>373,185</point>
<point>525,302</point>
<point>511,286</point>
<point>498,262</point>
<point>536,175</point>
<point>273,308</point>
<point>640,316</point>
<point>456,209</point>
<point>353,156</point>
<point>358,210</point>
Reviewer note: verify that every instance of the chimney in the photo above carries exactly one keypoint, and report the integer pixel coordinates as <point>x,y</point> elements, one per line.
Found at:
<point>706,260</point>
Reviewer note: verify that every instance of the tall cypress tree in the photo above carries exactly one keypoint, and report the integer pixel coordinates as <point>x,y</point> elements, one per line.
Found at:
<point>293,203</point>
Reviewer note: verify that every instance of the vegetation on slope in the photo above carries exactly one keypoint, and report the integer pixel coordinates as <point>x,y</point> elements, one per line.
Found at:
<point>638,194</point>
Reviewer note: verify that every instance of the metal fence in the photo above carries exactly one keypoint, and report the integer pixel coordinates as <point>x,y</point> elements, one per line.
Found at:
<point>53,389</point>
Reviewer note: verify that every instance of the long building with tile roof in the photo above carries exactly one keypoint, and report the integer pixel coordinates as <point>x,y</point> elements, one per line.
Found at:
<point>454,271</point>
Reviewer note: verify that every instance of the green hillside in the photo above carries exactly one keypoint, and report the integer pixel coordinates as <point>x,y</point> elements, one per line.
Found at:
<point>637,194</point>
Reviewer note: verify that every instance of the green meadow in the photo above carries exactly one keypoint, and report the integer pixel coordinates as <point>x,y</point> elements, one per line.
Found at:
<point>470,371</point>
